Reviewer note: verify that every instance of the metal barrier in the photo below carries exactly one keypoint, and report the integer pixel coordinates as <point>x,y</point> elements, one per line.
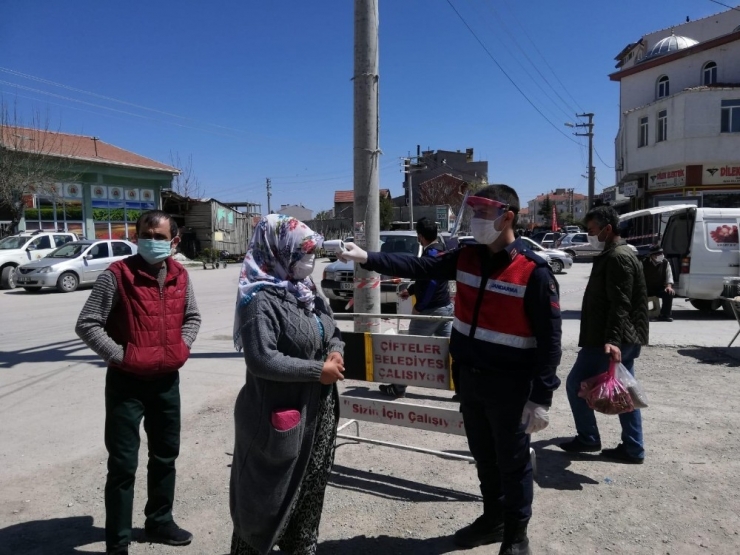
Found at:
<point>421,361</point>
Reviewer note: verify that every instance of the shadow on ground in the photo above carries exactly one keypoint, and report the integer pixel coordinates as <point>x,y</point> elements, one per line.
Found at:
<point>713,356</point>
<point>360,545</point>
<point>61,536</point>
<point>391,487</point>
<point>553,463</point>
<point>60,351</point>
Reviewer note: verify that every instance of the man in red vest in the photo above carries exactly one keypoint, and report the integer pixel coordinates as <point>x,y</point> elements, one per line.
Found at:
<point>506,342</point>
<point>141,318</point>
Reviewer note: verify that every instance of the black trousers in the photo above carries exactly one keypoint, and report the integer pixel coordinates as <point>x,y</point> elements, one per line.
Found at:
<point>666,301</point>
<point>128,400</point>
<point>492,406</point>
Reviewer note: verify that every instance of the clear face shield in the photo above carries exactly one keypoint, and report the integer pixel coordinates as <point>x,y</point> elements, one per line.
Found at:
<point>480,217</point>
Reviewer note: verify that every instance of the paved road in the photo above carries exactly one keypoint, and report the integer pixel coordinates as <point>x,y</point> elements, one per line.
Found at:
<point>51,385</point>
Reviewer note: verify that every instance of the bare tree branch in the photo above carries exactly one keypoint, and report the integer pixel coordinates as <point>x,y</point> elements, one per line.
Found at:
<point>186,183</point>
<point>33,159</point>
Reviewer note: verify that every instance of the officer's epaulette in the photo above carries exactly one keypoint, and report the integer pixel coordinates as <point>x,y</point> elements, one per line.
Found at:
<point>533,256</point>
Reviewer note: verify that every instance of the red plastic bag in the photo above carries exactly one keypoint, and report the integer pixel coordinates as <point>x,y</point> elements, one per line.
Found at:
<point>606,394</point>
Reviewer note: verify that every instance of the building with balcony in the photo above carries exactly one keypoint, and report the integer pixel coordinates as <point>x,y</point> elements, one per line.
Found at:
<point>569,206</point>
<point>679,127</point>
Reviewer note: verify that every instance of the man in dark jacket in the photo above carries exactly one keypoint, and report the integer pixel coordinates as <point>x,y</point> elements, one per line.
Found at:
<point>432,297</point>
<point>141,318</point>
<point>659,281</point>
<point>614,325</point>
<point>506,340</point>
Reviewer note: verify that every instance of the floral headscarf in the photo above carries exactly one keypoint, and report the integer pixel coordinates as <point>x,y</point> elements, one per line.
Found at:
<point>278,242</point>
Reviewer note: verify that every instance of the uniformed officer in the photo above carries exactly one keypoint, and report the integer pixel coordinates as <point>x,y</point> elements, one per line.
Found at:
<point>506,341</point>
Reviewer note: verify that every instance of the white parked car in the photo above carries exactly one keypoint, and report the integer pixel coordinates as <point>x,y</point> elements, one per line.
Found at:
<point>25,247</point>
<point>76,263</point>
<point>338,279</point>
<point>558,260</point>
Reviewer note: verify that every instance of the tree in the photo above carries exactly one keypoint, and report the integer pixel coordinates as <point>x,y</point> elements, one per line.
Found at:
<point>386,213</point>
<point>324,215</point>
<point>546,210</point>
<point>186,183</point>
<point>33,159</point>
<point>449,190</point>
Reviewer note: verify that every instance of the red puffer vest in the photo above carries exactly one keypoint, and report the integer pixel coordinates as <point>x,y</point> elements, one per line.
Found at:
<point>147,321</point>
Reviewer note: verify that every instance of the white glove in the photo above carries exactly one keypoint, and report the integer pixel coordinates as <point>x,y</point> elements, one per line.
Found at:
<point>535,417</point>
<point>353,253</point>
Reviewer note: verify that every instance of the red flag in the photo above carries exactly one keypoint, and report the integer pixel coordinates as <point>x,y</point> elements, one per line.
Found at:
<point>554,219</point>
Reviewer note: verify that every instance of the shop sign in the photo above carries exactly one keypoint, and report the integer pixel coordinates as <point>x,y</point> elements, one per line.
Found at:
<point>442,217</point>
<point>394,413</point>
<point>132,194</point>
<point>630,188</point>
<point>722,235</point>
<point>727,174</point>
<point>99,192</point>
<point>668,178</point>
<point>147,195</point>
<point>116,193</point>
<point>73,190</point>
<point>412,360</point>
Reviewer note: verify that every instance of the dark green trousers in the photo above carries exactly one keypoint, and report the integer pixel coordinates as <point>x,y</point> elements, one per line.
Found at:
<point>128,400</point>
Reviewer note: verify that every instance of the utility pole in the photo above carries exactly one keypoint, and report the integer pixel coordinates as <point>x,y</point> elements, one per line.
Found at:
<point>409,169</point>
<point>409,188</point>
<point>591,169</point>
<point>269,195</point>
<point>366,153</point>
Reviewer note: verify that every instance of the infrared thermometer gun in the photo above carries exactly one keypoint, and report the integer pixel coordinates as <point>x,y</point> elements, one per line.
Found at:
<point>336,245</point>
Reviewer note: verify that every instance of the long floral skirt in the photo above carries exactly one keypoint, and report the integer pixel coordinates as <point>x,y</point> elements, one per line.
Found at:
<point>301,533</point>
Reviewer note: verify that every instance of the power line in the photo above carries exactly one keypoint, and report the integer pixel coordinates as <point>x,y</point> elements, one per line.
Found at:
<point>534,45</point>
<point>507,75</point>
<point>110,98</point>
<point>602,160</point>
<point>725,5</point>
<point>570,109</point>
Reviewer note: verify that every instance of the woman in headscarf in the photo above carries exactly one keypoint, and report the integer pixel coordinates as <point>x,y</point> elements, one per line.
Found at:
<point>286,415</point>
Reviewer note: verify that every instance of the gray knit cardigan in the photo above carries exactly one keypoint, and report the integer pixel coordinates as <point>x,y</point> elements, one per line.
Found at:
<point>284,353</point>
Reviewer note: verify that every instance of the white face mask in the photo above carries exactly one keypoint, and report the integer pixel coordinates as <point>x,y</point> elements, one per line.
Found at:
<point>594,241</point>
<point>484,231</point>
<point>658,259</point>
<point>304,267</point>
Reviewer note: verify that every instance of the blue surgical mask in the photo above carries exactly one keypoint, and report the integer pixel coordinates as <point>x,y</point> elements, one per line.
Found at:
<point>154,250</point>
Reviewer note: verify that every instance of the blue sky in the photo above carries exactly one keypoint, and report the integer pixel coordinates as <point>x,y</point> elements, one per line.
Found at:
<point>262,89</point>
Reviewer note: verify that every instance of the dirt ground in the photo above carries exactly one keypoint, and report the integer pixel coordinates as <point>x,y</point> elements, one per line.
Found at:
<point>683,500</point>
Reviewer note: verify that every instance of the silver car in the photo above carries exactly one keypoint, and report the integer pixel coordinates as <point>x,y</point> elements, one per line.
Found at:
<point>73,264</point>
<point>558,260</point>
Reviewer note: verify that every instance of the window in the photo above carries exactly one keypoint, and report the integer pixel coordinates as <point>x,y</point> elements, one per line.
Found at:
<point>121,249</point>
<point>663,88</point>
<point>579,238</point>
<point>662,131</point>
<point>99,251</point>
<point>730,116</point>
<point>643,137</point>
<point>62,239</point>
<point>709,74</point>
<point>40,243</point>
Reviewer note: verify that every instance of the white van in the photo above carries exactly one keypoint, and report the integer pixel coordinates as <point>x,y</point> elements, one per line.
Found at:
<point>703,247</point>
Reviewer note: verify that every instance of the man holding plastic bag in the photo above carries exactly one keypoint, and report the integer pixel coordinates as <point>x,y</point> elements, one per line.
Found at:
<point>614,326</point>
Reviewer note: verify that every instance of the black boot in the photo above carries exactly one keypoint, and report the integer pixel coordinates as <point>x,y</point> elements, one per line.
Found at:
<point>487,528</point>
<point>515,539</point>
